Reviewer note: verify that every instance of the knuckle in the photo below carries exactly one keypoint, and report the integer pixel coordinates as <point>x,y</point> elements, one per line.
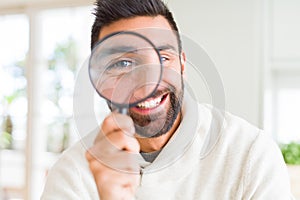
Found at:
<point>104,176</point>
<point>95,165</point>
<point>117,121</point>
<point>123,122</point>
<point>110,191</point>
<point>121,136</point>
<point>129,123</point>
<point>125,141</point>
<point>136,146</point>
<point>88,156</point>
<point>115,137</point>
<point>108,121</point>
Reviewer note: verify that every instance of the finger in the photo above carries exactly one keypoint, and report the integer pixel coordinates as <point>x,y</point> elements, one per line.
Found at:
<point>116,192</point>
<point>117,121</point>
<point>89,156</point>
<point>115,142</point>
<point>121,161</point>
<point>122,141</point>
<point>106,176</point>
<point>128,181</point>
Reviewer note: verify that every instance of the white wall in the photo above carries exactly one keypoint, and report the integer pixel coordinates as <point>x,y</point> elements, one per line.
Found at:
<point>12,6</point>
<point>229,31</point>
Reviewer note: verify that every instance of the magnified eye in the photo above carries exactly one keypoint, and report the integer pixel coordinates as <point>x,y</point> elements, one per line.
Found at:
<point>164,58</point>
<point>122,64</point>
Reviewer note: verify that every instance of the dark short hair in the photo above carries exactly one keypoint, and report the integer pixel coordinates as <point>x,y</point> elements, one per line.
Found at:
<point>109,11</point>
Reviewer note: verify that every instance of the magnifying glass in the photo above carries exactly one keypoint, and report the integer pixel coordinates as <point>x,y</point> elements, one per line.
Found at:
<point>125,68</point>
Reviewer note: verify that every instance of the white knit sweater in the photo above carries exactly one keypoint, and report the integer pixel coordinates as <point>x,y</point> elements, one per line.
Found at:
<point>212,156</point>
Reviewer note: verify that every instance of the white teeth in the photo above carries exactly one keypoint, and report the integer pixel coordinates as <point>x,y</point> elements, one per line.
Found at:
<point>150,104</point>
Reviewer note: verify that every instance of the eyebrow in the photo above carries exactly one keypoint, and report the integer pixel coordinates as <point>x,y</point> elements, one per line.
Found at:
<point>114,50</point>
<point>118,49</point>
<point>166,47</point>
<point>130,49</point>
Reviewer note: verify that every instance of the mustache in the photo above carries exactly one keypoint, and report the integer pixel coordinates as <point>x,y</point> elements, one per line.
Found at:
<point>161,90</point>
<point>164,90</point>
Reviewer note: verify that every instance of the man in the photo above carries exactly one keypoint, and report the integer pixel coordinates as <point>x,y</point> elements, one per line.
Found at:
<point>173,148</point>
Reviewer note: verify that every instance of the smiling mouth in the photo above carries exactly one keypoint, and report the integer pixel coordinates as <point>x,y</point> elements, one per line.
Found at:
<point>151,103</point>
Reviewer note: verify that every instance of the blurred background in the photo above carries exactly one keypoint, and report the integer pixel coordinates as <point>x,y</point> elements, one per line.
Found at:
<point>255,45</point>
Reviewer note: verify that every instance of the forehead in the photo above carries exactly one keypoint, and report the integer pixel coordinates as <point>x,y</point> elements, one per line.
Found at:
<point>139,22</point>
<point>157,29</point>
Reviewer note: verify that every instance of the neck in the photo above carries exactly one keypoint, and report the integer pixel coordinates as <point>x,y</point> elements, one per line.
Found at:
<point>155,144</point>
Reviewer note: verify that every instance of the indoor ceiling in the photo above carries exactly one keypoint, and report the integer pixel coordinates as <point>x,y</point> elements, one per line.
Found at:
<point>13,5</point>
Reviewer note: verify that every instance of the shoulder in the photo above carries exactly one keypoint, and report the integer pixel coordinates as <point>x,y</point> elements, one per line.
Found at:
<point>74,157</point>
<point>225,131</point>
<point>249,150</point>
<point>70,176</point>
<point>235,138</point>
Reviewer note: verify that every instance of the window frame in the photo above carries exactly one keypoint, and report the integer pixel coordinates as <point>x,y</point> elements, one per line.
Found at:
<point>31,9</point>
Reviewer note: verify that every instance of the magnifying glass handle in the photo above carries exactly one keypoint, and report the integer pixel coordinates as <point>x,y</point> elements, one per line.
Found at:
<point>123,111</point>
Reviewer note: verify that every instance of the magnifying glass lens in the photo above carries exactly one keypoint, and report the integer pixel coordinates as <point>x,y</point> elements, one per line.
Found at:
<point>125,68</point>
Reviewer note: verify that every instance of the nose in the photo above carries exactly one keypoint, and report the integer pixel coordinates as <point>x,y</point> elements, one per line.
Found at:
<point>147,78</point>
<point>144,91</point>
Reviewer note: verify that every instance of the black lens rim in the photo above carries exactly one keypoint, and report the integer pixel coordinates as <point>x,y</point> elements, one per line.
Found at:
<point>129,105</point>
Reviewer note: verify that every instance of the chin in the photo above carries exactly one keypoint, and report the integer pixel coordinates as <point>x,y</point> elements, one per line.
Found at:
<point>158,123</point>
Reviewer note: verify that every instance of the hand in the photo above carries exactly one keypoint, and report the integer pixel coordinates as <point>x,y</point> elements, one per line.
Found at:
<point>113,158</point>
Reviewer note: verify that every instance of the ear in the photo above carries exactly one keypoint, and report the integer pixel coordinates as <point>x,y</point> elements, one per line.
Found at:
<point>182,61</point>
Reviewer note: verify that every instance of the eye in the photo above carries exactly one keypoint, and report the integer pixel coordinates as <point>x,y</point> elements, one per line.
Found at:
<point>164,58</point>
<point>121,64</point>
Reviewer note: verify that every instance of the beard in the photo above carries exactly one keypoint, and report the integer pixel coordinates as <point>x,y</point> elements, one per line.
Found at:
<point>158,124</point>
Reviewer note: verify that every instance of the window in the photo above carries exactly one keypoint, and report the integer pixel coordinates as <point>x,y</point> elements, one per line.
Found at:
<point>286,96</point>
<point>14,42</point>
<point>62,54</point>
<point>41,75</point>
<point>282,61</point>
<point>64,45</point>
<point>13,107</point>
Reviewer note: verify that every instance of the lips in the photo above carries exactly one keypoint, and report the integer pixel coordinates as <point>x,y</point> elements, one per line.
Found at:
<point>151,103</point>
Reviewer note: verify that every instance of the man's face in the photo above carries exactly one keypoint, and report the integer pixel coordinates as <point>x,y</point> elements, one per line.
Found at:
<point>156,115</point>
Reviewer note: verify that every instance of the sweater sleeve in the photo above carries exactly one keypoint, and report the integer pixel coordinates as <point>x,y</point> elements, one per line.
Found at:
<point>267,176</point>
<point>62,182</point>
<point>70,179</point>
